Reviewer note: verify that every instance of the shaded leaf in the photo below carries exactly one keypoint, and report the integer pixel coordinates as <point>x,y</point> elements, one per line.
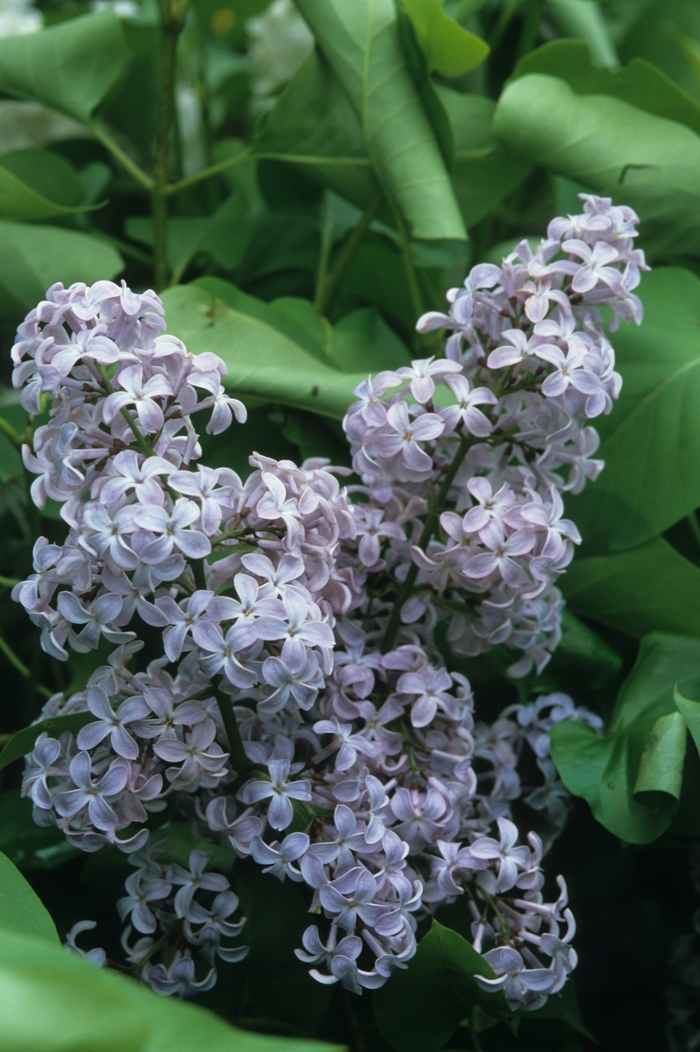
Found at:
<point>33,257</point>
<point>22,742</point>
<point>483,171</point>
<point>69,67</point>
<point>29,846</point>
<point>449,48</point>
<point>21,910</point>
<point>631,777</point>
<point>361,43</point>
<point>690,711</point>
<point>36,184</point>
<point>314,125</point>
<point>649,162</point>
<point>419,1009</point>
<point>647,589</point>
<point>51,1001</point>
<point>279,370</point>
<point>651,440</point>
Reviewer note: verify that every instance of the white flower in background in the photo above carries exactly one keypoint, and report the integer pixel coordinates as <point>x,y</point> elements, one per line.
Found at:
<point>279,42</point>
<point>18,17</point>
<point>121,8</point>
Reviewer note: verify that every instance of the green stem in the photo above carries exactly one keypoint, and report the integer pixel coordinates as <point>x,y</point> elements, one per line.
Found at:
<point>476,1043</point>
<point>171,23</point>
<point>327,287</point>
<point>249,155</point>
<point>123,158</point>
<point>10,433</point>
<point>200,579</point>
<point>431,523</point>
<point>414,289</point>
<point>239,758</point>
<point>8,582</point>
<point>21,667</point>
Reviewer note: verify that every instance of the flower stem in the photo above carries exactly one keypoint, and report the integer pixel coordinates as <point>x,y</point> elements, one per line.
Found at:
<point>239,758</point>
<point>326,287</point>
<point>123,158</point>
<point>431,523</point>
<point>17,663</point>
<point>172,14</point>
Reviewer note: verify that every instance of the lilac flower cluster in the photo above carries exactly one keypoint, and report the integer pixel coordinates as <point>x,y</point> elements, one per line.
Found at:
<point>300,710</point>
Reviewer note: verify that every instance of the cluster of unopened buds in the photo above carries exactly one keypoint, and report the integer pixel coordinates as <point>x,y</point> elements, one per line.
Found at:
<point>300,709</point>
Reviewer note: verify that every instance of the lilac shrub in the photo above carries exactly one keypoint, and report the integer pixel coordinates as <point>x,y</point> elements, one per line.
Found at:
<point>300,709</point>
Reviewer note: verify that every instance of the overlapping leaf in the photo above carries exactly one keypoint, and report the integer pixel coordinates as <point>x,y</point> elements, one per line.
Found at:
<point>419,1010</point>
<point>361,43</point>
<point>449,48</point>
<point>33,257</point>
<point>69,67</point>
<point>262,361</point>
<point>640,83</point>
<point>647,161</point>
<point>631,777</point>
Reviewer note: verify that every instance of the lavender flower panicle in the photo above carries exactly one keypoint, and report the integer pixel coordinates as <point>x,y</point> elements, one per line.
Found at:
<point>299,679</point>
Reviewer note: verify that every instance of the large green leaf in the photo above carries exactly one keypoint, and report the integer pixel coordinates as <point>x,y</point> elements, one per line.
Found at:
<point>21,910</point>
<point>420,1007</point>
<point>51,1001</point>
<point>643,160</point>
<point>262,361</point>
<point>640,83</point>
<point>361,43</point>
<point>69,67</point>
<point>631,777</point>
<point>449,48</point>
<point>651,440</point>
<point>647,589</point>
<point>33,257</point>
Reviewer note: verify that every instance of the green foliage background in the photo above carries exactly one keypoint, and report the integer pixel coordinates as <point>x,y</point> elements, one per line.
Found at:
<point>416,139</point>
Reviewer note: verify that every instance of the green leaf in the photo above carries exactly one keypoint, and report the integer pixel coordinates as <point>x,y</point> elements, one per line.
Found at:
<point>649,162</point>
<point>21,910</point>
<point>69,67</point>
<point>483,171</point>
<point>313,125</point>
<point>51,1001</point>
<point>581,654</point>
<point>276,985</point>
<point>361,43</point>
<point>36,184</point>
<point>651,440</point>
<point>32,258</point>
<point>29,846</point>
<point>22,742</point>
<point>421,1007</point>
<point>640,83</point>
<point>223,235</point>
<point>647,589</point>
<point>690,711</point>
<point>631,777</point>
<point>449,48</point>
<point>279,370</point>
